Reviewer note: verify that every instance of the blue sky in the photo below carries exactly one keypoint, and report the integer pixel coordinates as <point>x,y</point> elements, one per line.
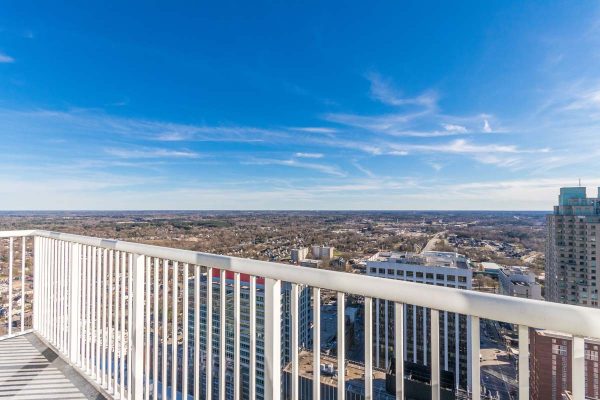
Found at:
<point>297,105</point>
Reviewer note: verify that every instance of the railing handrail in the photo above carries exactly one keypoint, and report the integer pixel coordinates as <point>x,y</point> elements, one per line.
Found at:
<point>575,320</point>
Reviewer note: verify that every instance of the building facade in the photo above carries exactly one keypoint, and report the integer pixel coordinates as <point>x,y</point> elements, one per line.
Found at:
<point>298,255</point>
<point>550,365</point>
<point>322,252</point>
<point>519,282</point>
<point>571,265</point>
<point>304,332</point>
<point>431,268</point>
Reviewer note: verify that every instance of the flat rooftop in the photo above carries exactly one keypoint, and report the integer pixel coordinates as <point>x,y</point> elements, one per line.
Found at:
<point>355,372</point>
<point>425,259</point>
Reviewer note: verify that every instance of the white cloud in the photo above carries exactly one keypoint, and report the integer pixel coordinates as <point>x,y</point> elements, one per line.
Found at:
<point>460,146</point>
<point>151,153</point>
<point>486,126</point>
<point>455,128</point>
<point>324,168</point>
<point>382,90</point>
<point>364,170</point>
<point>589,99</point>
<point>314,129</point>
<point>309,155</point>
<point>6,59</point>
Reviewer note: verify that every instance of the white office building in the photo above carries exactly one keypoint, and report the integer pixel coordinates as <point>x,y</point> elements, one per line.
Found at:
<point>322,252</point>
<point>519,282</point>
<point>431,268</point>
<point>299,254</point>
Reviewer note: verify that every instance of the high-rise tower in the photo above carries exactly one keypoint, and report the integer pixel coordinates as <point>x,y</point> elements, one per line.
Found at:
<point>571,266</point>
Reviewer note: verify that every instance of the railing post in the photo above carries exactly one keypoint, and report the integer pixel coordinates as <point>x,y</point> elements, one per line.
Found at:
<point>475,361</point>
<point>578,368</point>
<point>36,283</point>
<point>523,362</point>
<point>75,296</point>
<point>272,339</point>
<point>137,329</point>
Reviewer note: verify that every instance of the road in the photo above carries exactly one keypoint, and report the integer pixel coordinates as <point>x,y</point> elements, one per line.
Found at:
<point>433,241</point>
<point>498,371</point>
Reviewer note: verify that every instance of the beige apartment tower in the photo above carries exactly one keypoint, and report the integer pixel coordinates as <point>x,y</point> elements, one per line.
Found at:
<point>571,265</point>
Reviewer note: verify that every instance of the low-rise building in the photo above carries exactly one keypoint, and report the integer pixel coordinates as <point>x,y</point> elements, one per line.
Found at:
<point>299,254</point>
<point>322,252</point>
<point>311,263</point>
<point>519,282</point>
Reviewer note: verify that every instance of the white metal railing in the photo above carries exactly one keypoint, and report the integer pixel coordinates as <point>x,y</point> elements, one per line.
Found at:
<point>147,322</point>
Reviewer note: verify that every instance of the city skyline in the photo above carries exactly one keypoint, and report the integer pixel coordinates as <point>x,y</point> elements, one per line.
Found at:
<point>488,106</point>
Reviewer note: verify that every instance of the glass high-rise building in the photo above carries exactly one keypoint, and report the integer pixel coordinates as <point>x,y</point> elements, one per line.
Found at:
<point>571,265</point>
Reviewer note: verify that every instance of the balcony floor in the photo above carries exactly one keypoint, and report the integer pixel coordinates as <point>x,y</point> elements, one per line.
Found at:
<point>29,370</point>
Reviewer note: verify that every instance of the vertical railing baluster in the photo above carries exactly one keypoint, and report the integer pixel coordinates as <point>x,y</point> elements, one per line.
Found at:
<point>368,348</point>
<point>10,285</point>
<point>222,333</point>
<point>165,313</point>
<point>435,354</point>
<point>75,297</point>
<point>117,336</point>
<point>105,291</point>
<point>44,281</point>
<point>84,302</point>
<point>123,272</point>
<point>294,315</point>
<point>174,332</point>
<point>94,306</point>
<point>155,332</point>
<point>98,335</point>
<point>89,299</point>
<point>341,346</point>
<point>197,377</point>
<point>64,329</point>
<point>36,284</point>
<point>110,350</point>
<point>130,326</point>
<point>252,299</point>
<point>147,330</point>
<point>523,362</point>
<point>136,327</point>
<point>23,245</point>
<point>399,349</point>
<point>59,293</point>
<point>209,331</point>
<point>236,337</point>
<point>475,351</point>
<point>98,312</point>
<point>316,387</point>
<point>185,316</point>
<point>272,338</point>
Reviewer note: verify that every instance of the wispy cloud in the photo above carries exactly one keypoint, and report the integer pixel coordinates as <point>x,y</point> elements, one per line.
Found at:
<point>295,163</point>
<point>309,155</point>
<point>414,116</point>
<point>454,128</point>
<point>6,59</point>
<point>93,122</point>
<point>364,170</point>
<point>314,129</point>
<point>151,153</point>
<point>383,91</point>
<point>486,126</point>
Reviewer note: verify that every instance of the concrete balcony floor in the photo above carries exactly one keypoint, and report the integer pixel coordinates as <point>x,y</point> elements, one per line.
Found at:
<point>29,370</point>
